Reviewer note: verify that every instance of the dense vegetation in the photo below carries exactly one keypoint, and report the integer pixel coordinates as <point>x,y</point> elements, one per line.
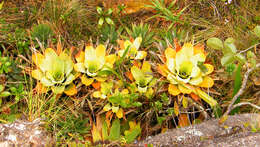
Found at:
<point>114,72</point>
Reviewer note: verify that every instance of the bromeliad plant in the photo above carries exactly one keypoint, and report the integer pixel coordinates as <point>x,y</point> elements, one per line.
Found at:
<point>55,70</point>
<point>143,78</point>
<point>92,63</point>
<point>186,71</point>
<point>130,49</point>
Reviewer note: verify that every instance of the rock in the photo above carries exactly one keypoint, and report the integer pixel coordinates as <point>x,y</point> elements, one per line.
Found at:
<point>210,134</point>
<point>25,134</point>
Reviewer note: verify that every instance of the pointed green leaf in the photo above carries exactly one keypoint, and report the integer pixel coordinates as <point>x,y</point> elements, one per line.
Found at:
<point>114,133</point>
<point>104,131</point>
<point>109,21</point>
<point>131,135</point>
<point>101,21</point>
<point>99,10</point>
<point>237,86</point>
<point>109,11</point>
<point>215,43</point>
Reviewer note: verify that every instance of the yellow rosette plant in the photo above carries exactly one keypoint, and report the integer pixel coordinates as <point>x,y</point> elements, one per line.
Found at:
<point>186,71</point>
<point>54,70</point>
<point>143,79</point>
<point>130,49</point>
<point>92,61</point>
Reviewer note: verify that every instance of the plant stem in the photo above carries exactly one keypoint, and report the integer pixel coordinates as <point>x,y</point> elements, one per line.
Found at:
<point>241,90</point>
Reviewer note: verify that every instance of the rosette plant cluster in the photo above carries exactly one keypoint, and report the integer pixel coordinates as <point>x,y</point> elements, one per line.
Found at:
<point>185,69</point>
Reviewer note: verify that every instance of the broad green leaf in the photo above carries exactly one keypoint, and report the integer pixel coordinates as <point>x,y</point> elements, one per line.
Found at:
<point>229,48</point>
<point>227,59</point>
<point>215,43</point>
<point>5,94</point>
<point>115,130</point>
<point>257,31</point>
<point>237,86</point>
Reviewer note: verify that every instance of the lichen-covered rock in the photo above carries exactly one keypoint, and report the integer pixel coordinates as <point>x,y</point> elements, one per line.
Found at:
<point>233,133</point>
<point>24,133</point>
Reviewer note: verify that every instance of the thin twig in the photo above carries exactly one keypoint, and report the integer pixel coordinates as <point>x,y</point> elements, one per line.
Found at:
<point>246,103</point>
<point>241,90</point>
<point>249,48</point>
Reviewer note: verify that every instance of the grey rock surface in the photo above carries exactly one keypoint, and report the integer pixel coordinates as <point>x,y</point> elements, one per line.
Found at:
<point>234,132</point>
<point>23,133</point>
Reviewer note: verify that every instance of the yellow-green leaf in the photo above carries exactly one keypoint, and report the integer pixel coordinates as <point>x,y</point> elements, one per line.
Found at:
<point>184,102</point>
<point>86,81</point>
<point>1,4</point>
<point>120,113</point>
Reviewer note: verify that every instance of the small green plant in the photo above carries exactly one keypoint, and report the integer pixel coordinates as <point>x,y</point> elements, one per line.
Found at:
<point>141,30</point>
<point>103,131</point>
<point>109,33</point>
<point>5,65</point>
<point>229,50</point>
<point>166,12</point>
<point>3,93</point>
<point>104,16</point>
<point>168,36</point>
<point>73,128</point>
<point>42,32</point>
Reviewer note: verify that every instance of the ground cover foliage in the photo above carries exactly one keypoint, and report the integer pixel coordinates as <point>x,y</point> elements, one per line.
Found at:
<point>113,72</point>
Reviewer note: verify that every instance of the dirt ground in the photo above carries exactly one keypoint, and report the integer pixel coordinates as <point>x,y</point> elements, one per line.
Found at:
<point>236,131</point>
